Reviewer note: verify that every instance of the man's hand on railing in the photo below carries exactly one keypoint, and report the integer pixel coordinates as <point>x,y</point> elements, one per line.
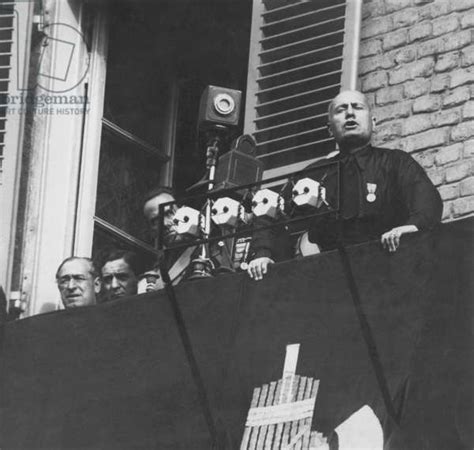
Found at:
<point>258,267</point>
<point>391,239</point>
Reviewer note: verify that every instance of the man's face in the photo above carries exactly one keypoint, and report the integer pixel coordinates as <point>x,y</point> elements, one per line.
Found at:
<point>151,211</point>
<point>77,286</point>
<point>118,279</point>
<point>350,121</point>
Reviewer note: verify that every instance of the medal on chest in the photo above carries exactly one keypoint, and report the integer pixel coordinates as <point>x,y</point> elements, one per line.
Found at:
<point>371,188</point>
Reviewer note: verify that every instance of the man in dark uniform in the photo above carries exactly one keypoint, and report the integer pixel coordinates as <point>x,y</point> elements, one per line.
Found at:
<point>177,261</point>
<point>384,193</point>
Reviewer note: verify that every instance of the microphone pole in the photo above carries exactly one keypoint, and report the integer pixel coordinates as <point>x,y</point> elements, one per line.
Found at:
<point>202,265</point>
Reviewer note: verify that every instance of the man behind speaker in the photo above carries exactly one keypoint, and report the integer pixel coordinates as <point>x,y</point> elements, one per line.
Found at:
<point>177,261</point>
<point>119,272</point>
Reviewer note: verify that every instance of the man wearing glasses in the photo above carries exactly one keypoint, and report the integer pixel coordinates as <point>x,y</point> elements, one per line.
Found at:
<point>78,282</point>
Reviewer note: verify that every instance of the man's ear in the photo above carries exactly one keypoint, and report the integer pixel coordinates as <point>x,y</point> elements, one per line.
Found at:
<point>374,122</point>
<point>97,285</point>
<point>329,129</point>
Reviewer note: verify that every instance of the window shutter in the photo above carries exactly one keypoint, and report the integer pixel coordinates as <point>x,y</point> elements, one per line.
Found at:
<point>301,54</point>
<point>15,35</point>
<point>7,15</point>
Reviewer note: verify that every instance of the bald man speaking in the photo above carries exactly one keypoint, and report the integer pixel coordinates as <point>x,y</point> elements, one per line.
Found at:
<point>385,193</point>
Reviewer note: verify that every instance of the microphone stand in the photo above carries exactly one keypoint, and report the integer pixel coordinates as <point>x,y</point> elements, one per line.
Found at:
<point>202,266</point>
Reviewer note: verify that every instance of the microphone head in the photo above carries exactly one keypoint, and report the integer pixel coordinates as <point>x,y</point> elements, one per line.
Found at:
<point>266,203</point>
<point>307,193</point>
<point>187,221</point>
<point>226,212</point>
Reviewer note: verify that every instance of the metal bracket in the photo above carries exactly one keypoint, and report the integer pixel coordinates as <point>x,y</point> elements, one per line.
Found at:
<point>17,303</point>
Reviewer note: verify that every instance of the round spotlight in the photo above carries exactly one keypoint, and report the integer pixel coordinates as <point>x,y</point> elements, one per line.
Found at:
<point>224,104</point>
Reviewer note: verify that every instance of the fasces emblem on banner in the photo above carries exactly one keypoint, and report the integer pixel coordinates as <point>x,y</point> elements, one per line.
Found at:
<point>281,414</point>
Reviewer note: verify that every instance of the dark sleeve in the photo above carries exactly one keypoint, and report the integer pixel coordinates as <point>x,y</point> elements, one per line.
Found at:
<point>274,242</point>
<point>323,231</point>
<point>421,197</point>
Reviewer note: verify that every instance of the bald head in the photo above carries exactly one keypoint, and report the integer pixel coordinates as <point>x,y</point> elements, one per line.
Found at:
<point>343,95</point>
<point>350,120</point>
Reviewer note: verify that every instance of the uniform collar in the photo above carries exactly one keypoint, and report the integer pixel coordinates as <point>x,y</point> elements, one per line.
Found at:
<point>360,156</point>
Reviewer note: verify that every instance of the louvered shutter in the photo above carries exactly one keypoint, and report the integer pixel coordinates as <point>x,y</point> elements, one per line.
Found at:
<point>301,54</point>
<point>15,25</point>
<point>7,14</point>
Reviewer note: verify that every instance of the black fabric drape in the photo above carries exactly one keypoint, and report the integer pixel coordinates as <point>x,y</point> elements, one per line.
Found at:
<point>116,375</point>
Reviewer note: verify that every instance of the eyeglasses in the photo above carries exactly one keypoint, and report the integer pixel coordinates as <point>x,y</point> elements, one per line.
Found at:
<point>66,279</point>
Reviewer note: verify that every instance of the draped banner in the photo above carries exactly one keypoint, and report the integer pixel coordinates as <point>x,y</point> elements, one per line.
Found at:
<point>117,376</point>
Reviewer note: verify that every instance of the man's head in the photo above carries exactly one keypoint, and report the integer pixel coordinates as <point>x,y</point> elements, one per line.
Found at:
<point>120,274</point>
<point>350,120</point>
<point>78,282</point>
<point>151,211</point>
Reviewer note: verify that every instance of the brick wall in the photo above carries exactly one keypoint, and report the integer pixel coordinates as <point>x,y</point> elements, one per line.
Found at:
<point>417,68</point>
